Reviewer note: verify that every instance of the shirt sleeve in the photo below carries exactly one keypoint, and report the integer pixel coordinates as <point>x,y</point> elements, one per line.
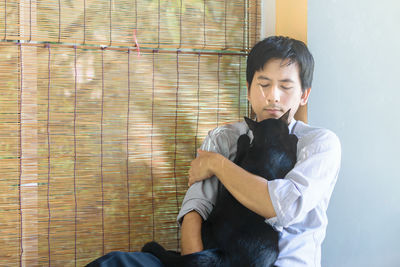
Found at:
<point>202,195</point>
<point>309,182</point>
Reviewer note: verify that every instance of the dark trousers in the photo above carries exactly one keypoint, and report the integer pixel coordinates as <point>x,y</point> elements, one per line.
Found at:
<point>126,259</point>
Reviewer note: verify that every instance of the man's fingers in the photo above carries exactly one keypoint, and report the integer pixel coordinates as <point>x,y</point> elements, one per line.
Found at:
<point>190,182</point>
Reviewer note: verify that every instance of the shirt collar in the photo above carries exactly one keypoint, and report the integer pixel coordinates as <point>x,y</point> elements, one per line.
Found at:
<point>291,125</point>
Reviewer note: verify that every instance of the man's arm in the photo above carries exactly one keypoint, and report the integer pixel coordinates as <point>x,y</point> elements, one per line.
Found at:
<point>249,189</point>
<point>191,233</point>
<point>289,199</point>
<point>201,197</point>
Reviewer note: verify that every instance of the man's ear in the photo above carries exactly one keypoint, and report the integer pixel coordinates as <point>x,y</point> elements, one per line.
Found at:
<point>250,123</point>
<point>285,117</point>
<point>304,97</point>
<point>248,91</point>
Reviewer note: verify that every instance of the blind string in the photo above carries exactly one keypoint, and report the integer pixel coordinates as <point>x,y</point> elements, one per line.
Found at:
<point>19,21</point>
<point>198,105</point>
<point>110,22</point>
<point>101,145</point>
<point>30,20</point>
<point>204,23</point>
<point>176,141</point>
<point>127,152</point>
<point>75,156</point>
<point>248,23</point>
<point>218,81</point>
<point>84,21</point>
<point>239,87</point>
<point>151,144</point>
<point>48,154</point>
<point>256,19</point>
<point>159,25</point>
<point>225,24</point>
<point>135,31</point>
<point>136,16</point>
<point>20,153</point>
<point>5,19</point>
<point>180,26</point>
<point>59,20</point>
<point>233,52</point>
<point>244,25</point>
<point>136,43</point>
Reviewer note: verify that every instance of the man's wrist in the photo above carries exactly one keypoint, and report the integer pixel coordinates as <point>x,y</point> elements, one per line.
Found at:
<point>215,162</point>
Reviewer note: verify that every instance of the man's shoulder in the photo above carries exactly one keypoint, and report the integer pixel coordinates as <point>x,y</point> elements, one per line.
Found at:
<point>229,130</point>
<point>308,135</point>
<point>223,139</point>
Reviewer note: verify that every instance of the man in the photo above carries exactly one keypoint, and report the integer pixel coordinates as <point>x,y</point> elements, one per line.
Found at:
<point>279,76</point>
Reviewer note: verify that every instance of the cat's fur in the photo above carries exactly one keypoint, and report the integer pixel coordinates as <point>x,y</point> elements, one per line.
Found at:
<point>233,235</point>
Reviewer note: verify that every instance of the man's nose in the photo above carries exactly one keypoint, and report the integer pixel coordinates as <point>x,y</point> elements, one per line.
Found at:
<point>273,95</point>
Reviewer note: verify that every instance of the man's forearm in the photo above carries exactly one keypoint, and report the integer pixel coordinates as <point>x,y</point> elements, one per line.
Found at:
<point>249,189</point>
<point>191,233</point>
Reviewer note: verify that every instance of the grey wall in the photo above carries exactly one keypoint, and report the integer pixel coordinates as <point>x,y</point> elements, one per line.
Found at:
<point>356,93</point>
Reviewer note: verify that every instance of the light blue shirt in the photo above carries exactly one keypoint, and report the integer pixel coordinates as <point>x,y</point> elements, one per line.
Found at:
<point>300,199</point>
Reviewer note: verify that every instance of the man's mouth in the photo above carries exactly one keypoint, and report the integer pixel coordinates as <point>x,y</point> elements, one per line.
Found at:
<point>273,111</point>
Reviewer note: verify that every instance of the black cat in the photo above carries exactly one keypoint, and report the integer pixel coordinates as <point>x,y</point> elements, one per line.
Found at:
<point>233,235</point>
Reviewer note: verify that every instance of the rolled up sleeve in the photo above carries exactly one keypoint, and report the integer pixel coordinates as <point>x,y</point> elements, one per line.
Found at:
<point>312,179</point>
<point>202,196</point>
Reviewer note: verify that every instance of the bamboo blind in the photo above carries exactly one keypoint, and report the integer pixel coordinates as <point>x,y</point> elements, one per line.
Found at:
<point>102,107</point>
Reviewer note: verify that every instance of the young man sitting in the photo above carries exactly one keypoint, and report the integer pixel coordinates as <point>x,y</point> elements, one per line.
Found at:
<point>279,77</point>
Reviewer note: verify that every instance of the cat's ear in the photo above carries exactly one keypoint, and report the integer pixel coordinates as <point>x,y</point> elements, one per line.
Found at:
<point>285,117</point>
<point>252,124</point>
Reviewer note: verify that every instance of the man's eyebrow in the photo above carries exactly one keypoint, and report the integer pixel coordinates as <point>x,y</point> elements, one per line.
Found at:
<point>287,80</point>
<point>261,77</point>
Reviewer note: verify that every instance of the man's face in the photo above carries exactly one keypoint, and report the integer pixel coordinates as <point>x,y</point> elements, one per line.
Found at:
<point>275,89</point>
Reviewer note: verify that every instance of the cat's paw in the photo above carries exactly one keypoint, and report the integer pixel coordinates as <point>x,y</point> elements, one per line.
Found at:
<point>153,247</point>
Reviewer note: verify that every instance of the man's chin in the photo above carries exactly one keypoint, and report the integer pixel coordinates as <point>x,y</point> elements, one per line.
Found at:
<point>266,114</point>
<point>262,118</point>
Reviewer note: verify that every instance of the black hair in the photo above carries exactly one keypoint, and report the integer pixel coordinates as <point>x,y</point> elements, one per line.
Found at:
<point>279,47</point>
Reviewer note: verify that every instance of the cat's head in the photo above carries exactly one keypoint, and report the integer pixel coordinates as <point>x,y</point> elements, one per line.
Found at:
<point>269,129</point>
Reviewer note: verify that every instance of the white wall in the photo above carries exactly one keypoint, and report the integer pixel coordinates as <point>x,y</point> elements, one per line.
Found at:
<point>356,93</point>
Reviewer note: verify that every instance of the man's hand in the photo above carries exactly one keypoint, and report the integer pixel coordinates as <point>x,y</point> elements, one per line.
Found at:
<point>201,167</point>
